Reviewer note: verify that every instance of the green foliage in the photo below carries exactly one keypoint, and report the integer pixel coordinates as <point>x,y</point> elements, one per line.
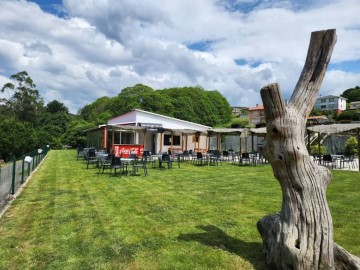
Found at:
<point>75,135</point>
<point>352,94</point>
<point>97,112</point>
<point>56,107</point>
<point>16,138</point>
<point>43,125</point>
<point>237,122</point>
<point>25,104</point>
<point>192,104</point>
<point>314,149</point>
<point>351,115</point>
<point>351,147</point>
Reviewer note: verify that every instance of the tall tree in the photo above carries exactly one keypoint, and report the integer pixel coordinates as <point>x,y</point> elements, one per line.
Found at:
<point>25,104</point>
<point>16,138</point>
<point>301,235</point>
<point>352,94</point>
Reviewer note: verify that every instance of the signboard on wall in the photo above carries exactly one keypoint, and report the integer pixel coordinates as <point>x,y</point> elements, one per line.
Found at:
<point>152,127</point>
<point>124,150</point>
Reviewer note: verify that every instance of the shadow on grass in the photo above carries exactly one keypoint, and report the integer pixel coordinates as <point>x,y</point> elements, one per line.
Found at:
<point>214,237</point>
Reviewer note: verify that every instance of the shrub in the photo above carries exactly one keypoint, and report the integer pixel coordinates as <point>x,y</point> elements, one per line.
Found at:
<point>314,149</point>
<point>351,146</point>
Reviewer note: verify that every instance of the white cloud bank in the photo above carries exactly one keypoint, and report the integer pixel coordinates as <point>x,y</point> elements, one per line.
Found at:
<point>103,46</point>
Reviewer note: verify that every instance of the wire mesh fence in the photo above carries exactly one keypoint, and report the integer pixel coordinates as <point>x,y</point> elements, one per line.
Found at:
<point>14,174</point>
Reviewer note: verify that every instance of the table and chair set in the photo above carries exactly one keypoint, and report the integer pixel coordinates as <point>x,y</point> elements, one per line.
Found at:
<point>130,165</point>
<point>338,161</point>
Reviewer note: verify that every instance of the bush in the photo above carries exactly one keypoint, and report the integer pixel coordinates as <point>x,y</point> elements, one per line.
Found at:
<point>314,149</point>
<point>351,146</point>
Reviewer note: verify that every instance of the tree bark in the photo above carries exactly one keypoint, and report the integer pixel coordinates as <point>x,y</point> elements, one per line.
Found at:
<point>301,235</point>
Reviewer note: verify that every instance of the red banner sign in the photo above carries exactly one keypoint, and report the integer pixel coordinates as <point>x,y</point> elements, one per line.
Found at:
<point>126,150</point>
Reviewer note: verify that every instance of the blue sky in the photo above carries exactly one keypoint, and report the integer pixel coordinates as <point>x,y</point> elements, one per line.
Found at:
<point>78,51</point>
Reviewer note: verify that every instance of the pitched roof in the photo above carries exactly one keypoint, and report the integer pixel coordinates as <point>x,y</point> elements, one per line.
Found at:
<point>257,108</point>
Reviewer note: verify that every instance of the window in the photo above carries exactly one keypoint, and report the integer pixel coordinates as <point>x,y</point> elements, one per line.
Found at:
<point>127,138</point>
<point>331,100</point>
<point>323,106</point>
<point>167,140</point>
<point>323,100</point>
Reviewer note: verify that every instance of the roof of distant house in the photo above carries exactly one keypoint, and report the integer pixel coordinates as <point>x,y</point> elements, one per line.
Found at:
<point>257,108</point>
<point>330,96</point>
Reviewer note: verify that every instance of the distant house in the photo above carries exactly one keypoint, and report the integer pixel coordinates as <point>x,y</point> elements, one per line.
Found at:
<point>256,115</point>
<point>330,103</point>
<point>354,105</point>
<point>239,111</point>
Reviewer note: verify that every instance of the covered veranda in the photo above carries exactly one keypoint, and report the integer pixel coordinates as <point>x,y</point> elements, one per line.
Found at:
<point>350,129</point>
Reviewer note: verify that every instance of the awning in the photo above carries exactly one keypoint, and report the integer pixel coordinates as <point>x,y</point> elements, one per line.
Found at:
<point>225,130</point>
<point>334,128</point>
<point>259,131</point>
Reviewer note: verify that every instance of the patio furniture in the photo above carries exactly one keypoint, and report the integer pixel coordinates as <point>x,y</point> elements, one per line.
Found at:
<point>245,159</point>
<point>200,160</point>
<point>225,155</point>
<point>91,158</point>
<point>105,162</point>
<point>165,158</point>
<point>328,160</point>
<point>116,164</point>
<point>215,158</point>
<point>185,155</point>
<point>139,164</point>
<point>349,161</point>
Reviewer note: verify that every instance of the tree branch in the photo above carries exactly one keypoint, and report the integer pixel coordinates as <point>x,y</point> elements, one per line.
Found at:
<point>318,57</point>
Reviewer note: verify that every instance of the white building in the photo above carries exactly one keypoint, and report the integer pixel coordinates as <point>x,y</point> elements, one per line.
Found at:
<point>354,105</point>
<point>330,103</point>
<point>138,131</point>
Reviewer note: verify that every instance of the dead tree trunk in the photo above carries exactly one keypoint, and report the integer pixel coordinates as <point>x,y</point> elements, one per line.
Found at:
<point>301,235</point>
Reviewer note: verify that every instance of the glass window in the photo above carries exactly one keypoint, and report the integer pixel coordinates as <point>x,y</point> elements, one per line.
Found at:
<point>323,100</point>
<point>127,138</point>
<point>167,140</point>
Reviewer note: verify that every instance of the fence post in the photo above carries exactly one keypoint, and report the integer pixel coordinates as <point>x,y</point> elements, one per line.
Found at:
<point>13,177</point>
<point>22,169</point>
<point>34,157</point>
<point>29,168</point>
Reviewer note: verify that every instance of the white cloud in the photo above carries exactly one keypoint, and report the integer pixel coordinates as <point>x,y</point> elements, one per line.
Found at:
<point>103,46</point>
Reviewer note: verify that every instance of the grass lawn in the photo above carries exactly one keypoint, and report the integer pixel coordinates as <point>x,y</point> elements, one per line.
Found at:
<point>190,218</point>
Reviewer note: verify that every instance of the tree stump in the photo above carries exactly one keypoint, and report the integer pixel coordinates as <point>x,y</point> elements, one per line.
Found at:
<point>301,235</point>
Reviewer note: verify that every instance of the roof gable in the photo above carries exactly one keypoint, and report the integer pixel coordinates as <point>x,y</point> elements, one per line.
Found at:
<point>137,116</point>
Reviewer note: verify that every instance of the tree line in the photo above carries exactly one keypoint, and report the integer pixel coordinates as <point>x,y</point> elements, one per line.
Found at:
<point>26,123</point>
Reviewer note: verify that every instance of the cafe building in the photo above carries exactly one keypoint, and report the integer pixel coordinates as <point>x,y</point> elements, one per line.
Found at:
<point>139,130</point>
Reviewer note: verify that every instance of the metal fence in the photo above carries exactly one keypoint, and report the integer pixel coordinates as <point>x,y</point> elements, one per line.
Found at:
<point>15,173</point>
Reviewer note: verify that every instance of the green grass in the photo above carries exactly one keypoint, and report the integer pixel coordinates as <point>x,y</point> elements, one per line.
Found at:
<point>190,218</point>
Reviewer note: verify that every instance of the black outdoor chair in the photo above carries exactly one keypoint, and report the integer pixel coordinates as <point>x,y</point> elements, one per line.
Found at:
<point>328,160</point>
<point>91,157</point>
<point>199,159</point>
<point>165,158</point>
<point>105,162</point>
<point>139,164</point>
<point>215,158</point>
<point>117,164</point>
<point>349,161</point>
<point>185,155</point>
<point>245,159</point>
<point>226,155</point>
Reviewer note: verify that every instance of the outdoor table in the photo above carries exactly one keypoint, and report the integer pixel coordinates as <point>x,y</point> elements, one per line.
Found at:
<point>127,162</point>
